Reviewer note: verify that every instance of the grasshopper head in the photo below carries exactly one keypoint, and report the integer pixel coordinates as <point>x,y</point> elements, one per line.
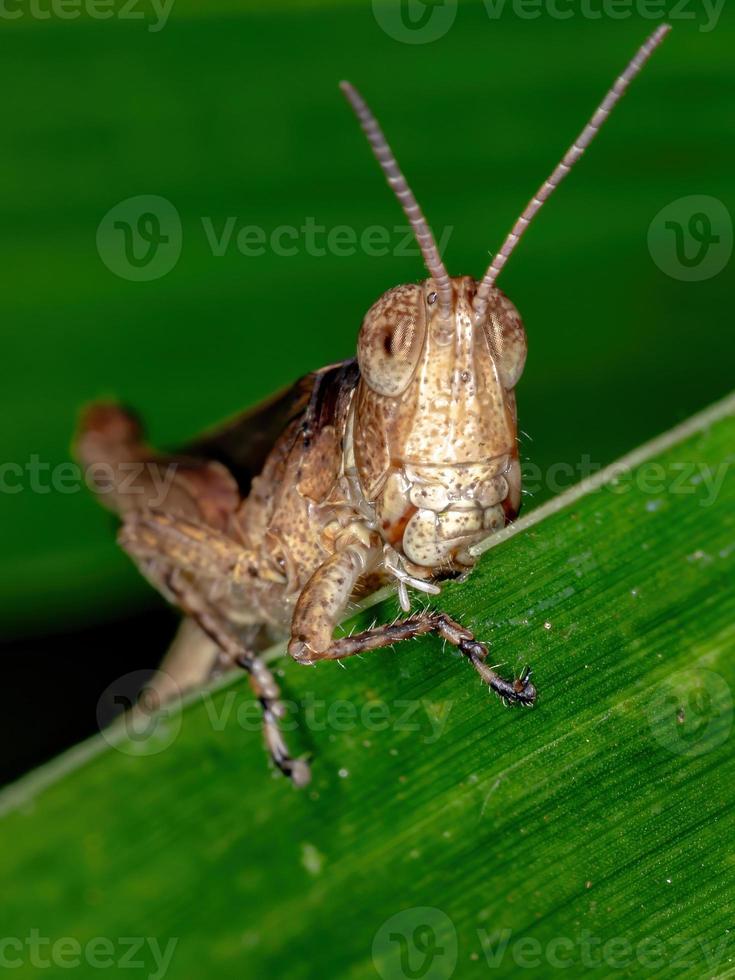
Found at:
<point>435,419</point>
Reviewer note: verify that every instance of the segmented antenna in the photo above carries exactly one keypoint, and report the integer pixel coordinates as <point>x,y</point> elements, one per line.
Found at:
<point>575,152</point>
<point>403,192</point>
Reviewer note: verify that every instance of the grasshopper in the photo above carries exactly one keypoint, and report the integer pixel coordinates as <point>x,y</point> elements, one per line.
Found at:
<point>385,468</point>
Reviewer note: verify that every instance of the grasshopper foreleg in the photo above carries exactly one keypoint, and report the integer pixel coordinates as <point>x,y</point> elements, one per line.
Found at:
<point>318,612</point>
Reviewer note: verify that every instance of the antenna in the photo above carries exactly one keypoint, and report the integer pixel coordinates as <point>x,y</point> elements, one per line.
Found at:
<point>403,192</point>
<point>574,153</point>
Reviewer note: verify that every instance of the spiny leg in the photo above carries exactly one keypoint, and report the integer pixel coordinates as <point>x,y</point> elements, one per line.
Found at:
<point>316,614</point>
<point>262,681</point>
<point>520,690</point>
<point>162,546</point>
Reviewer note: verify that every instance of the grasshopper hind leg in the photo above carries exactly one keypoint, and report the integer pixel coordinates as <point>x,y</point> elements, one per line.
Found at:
<point>266,690</point>
<point>175,557</point>
<point>262,681</point>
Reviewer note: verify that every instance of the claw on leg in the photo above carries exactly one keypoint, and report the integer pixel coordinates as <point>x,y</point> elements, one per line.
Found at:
<point>519,691</point>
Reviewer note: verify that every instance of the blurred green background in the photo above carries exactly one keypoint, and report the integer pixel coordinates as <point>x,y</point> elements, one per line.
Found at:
<point>232,110</point>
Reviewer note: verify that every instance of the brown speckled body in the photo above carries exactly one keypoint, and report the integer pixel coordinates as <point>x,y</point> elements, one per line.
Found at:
<point>385,468</point>
<point>388,467</point>
<point>406,475</point>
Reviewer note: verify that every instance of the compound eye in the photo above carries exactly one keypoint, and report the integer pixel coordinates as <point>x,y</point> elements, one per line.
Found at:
<point>507,339</point>
<point>391,339</point>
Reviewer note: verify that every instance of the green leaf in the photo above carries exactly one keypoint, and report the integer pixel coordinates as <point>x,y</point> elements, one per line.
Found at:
<point>596,828</point>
